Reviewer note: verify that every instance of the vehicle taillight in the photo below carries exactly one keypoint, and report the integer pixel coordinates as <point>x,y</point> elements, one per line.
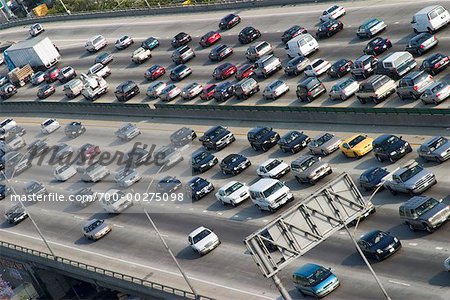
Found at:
<point>415,87</point>
<point>437,65</point>
<point>377,47</point>
<point>342,68</point>
<point>309,93</point>
<point>438,94</point>
<point>422,46</point>
<point>388,40</point>
<point>331,28</point>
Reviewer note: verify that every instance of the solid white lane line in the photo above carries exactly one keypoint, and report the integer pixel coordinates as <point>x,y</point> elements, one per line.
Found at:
<point>399,282</point>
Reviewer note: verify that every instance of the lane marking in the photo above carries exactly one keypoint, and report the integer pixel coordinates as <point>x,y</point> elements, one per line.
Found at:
<point>412,244</point>
<point>120,226</point>
<point>80,218</point>
<point>399,282</point>
<point>439,248</point>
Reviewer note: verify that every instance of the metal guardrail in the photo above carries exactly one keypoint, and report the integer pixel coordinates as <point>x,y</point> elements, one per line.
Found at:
<point>104,272</point>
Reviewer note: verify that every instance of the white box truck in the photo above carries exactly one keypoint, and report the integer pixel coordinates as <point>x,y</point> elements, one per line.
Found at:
<point>40,55</point>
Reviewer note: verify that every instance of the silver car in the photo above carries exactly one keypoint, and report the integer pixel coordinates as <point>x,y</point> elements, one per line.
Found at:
<point>38,78</point>
<point>155,89</point>
<point>344,89</point>
<point>64,172</point>
<point>436,149</point>
<point>310,168</point>
<point>167,156</point>
<point>412,178</point>
<point>127,131</point>
<point>275,89</point>
<point>170,92</point>
<point>35,189</point>
<point>324,144</point>
<point>126,177</point>
<point>191,91</point>
<point>138,156</point>
<point>96,229</point>
<point>436,93</point>
<point>296,65</point>
<point>62,150</point>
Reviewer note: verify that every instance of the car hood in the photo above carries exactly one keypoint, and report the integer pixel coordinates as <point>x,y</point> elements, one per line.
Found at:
<point>441,207</point>
<point>418,176</point>
<point>278,169</point>
<point>211,238</point>
<point>204,160</point>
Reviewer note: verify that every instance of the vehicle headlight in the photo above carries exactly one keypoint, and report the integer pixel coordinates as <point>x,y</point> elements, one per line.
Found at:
<point>396,240</point>
<point>393,153</point>
<point>406,144</point>
<point>379,251</point>
<point>235,168</point>
<point>413,186</point>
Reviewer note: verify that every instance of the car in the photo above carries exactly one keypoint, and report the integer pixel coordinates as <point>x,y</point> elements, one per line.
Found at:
<point>96,229</point>
<point>180,72</point>
<point>99,70</point>
<point>378,244</point>
<point>234,164</point>
<point>49,126</point>
<point>180,39</point>
<point>140,55</point>
<point>217,138</point>
<point>202,161</point>
<point>167,156</point>
<point>36,79</point>
<point>248,35</point>
<point>324,144</point>
<point>115,201</point>
<point>168,185</point>
<point>233,193</point>
<point>245,71</point>
<point>447,264</point>
<point>373,178</point>
<point>220,52</point>
<point>329,28</point>
<point>138,156</point>
<point>66,74</point>
<point>275,89</point>
<point>88,151</point>
<point>390,147</point>
<point>74,129</point>
<point>258,50</point>
<point>377,46</point>
<point>182,137</point>
<point>208,92</point>
<point>262,138</point>
<point>123,42</point>
<point>370,28</point>
<point>203,240</point>
<point>8,124</point>
<point>246,88</point>
<point>64,172</point>
<point>127,176</point>
<point>16,214</point>
<point>5,191</point>
<point>51,75</point>
<point>62,151</point>
<point>296,65</point>
<point>154,72</point>
<point>104,58</point>
<point>340,68</point>
<point>435,149</point>
<point>411,178</point>
<point>315,280</point>
<point>293,141</point>
<point>310,88</point>
<point>155,89</point>
<point>229,21</point>
<point>126,90</point>
<point>224,71</point>
<point>356,146</point>
<point>273,168</point>
<point>36,29</point>
<point>46,91</point>
<point>84,197</point>
<point>317,67</point>
<point>182,55</point>
<point>38,147</point>
<point>35,189</point>
<point>414,84</point>
<point>436,93</point>
<point>150,43</point>
<point>421,43</point>
<point>435,63</point>
<point>210,38</point>
<point>292,32</point>
<point>344,89</point>
<point>4,79</point>
<point>199,187</point>
<point>127,131</point>
<point>376,88</point>
<point>224,91</point>
<point>191,91</point>
<point>332,13</point>
<point>170,92</point>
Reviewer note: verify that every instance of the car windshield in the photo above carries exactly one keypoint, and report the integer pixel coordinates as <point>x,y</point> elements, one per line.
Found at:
<point>376,238</point>
<point>48,122</point>
<point>426,206</point>
<point>275,84</point>
<point>409,173</point>
<point>438,143</point>
<point>199,157</point>
<point>93,226</point>
<point>125,172</point>
<point>273,189</point>
<point>62,169</point>
<point>386,144</point>
<point>290,136</point>
<point>438,87</point>
<point>375,174</point>
<point>308,163</point>
<point>292,30</point>
<point>230,190</point>
<point>98,40</point>
<point>214,133</point>
<point>273,164</point>
<point>167,179</point>
<point>258,135</point>
<point>197,183</point>
<point>356,141</point>
<point>318,276</point>
<point>324,138</point>
<point>201,235</point>
<point>370,23</point>
<point>295,61</point>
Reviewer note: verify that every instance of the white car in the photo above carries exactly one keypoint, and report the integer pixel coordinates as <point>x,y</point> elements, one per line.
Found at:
<point>191,91</point>
<point>140,55</point>
<point>447,264</point>
<point>333,12</point>
<point>155,88</point>
<point>64,172</point>
<point>99,70</point>
<point>273,168</point>
<point>126,177</point>
<point>344,89</point>
<point>170,92</point>
<point>95,229</point>
<point>123,42</point>
<point>8,124</point>
<point>275,89</point>
<point>203,240</point>
<point>233,193</point>
<point>36,29</point>
<point>317,67</point>
<point>49,126</point>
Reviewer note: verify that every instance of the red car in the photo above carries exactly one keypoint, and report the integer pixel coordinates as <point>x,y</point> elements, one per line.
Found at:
<point>224,71</point>
<point>245,71</point>
<point>154,72</point>
<point>88,151</point>
<point>52,74</point>
<point>208,92</point>
<point>210,38</point>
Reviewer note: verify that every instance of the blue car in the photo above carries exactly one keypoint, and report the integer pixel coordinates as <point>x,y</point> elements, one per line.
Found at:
<point>372,178</point>
<point>315,280</point>
<point>150,43</point>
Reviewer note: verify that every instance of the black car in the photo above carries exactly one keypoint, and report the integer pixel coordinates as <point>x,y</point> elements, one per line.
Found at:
<point>421,43</point>
<point>181,39</point>
<point>46,91</point>
<point>377,46</point>
<point>234,164</point>
<point>126,90</point>
<point>180,72</point>
<point>292,32</point>
<point>220,52</point>
<point>217,138</point>
<point>74,129</point>
<point>16,214</point>
<point>248,35</point>
<point>310,88</point>
<point>37,148</point>
<point>182,136</point>
<point>138,156</point>
<point>7,91</point>
<point>262,138</point>
<point>223,91</point>
<point>150,43</point>
<point>229,21</point>
<point>378,244</point>
<point>199,187</point>
<point>372,178</point>
<point>340,68</point>
<point>329,28</point>
<point>104,58</point>
<point>85,196</point>
<point>4,191</point>
<point>168,184</point>
<point>203,161</point>
<point>390,147</point>
<point>435,63</point>
<point>293,141</point>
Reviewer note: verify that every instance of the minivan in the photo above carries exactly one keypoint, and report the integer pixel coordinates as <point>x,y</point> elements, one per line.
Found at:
<point>303,44</point>
<point>430,19</point>
<point>424,212</point>
<point>270,194</point>
<point>267,65</point>
<point>315,280</point>
<point>310,88</point>
<point>182,55</point>
<point>396,65</point>
<point>126,90</point>
<point>95,43</point>
<point>414,85</point>
<point>258,50</point>
<point>364,66</point>
<point>245,88</point>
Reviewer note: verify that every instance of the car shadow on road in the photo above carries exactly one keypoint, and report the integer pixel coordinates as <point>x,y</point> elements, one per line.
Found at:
<point>84,241</point>
<point>402,232</point>
<point>187,254</point>
<point>216,206</point>
<point>440,279</point>
<point>355,259</point>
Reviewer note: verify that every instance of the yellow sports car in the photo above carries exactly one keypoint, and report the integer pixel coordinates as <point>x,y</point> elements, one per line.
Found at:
<point>357,146</point>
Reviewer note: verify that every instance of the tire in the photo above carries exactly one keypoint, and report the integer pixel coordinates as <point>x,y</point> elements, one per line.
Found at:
<point>392,191</point>
<point>377,257</point>
<point>258,207</point>
<point>323,153</point>
<point>254,147</point>
<point>411,227</point>
<point>298,179</point>
<point>391,159</point>
<point>363,101</point>
<point>379,158</point>
<point>428,228</point>
<point>222,202</point>
<point>416,31</point>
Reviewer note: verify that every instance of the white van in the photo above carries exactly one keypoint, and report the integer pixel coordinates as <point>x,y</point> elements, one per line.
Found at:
<point>269,194</point>
<point>115,201</point>
<point>303,45</point>
<point>430,19</point>
<point>267,65</point>
<point>95,43</point>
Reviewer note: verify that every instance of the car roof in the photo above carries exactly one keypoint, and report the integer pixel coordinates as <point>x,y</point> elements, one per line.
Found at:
<point>370,234</point>
<point>415,201</point>
<point>307,269</point>
<point>197,231</point>
<point>382,138</point>
<point>263,183</point>
<point>229,184</point>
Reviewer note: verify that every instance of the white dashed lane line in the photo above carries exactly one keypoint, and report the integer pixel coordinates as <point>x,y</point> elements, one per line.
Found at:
<point>399,282</point>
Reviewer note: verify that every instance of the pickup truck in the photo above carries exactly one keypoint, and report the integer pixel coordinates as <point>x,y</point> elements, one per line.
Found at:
<point>140,55</point>
<point>99,70</point>
<point>20,76</point>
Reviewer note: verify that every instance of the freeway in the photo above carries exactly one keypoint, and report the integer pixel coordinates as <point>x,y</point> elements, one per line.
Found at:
<point>416,272</point>
<point>272,21</point>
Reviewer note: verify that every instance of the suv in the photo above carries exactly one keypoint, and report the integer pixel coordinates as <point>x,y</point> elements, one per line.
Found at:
<point>126,90</point>
<point>396,65</point>
<point>309,169</point>
<point>364,66</point>
<point>412,178</point>
<point>437,149</point>
<point>258,50</point>
<point>424,212</point>
<point>74,129</point>
<point>223,91</point>
<point>140,55</point>
<point>217,138</point>
<point>99,70</point>
<point>262,138</point>
<point>182,55</point>
<point>66,74</point>
<point>245,88</point>
<point>414,84</point>
<point>310,88</point>
<point>377,88</point>
<point>180,72</point>
<point>390,147</point>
